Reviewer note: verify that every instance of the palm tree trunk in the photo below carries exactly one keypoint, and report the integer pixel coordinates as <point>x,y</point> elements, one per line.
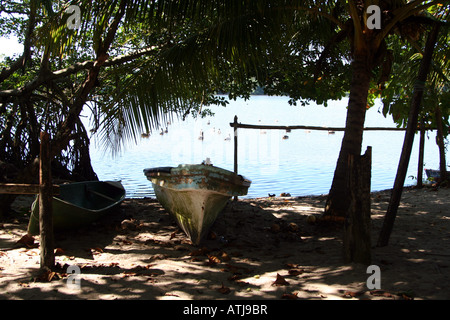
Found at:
<point>338,198</point>
<point>413,118</point>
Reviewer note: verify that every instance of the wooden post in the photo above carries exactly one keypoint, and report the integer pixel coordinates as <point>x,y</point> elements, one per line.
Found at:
<point>235,148</point>
<point>47,256</point>
<point>357,228</point>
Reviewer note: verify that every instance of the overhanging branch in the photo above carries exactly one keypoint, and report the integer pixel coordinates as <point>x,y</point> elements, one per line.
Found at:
<point>77,67</point>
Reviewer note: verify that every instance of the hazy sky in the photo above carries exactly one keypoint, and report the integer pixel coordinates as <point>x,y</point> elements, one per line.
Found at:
<point>10,46</point>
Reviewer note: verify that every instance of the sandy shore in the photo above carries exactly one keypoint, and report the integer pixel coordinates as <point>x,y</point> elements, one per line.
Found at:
<point>263,248</point>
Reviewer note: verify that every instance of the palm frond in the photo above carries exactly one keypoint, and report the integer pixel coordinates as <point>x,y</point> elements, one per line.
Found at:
<point>186,72</point>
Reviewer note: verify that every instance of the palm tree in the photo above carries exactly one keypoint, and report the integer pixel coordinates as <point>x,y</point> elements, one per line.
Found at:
<point>138,61</point>
<point>369,50</point>
<point>133,62</point>
<point>203,48</point>
<point>434,110</point>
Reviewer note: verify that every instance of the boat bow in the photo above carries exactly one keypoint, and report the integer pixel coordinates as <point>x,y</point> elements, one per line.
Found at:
<point>195,194</point>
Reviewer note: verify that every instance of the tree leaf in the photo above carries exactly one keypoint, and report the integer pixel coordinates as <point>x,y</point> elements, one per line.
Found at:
<point>290,296</point>
<point>48,276</point>
<point>212,260</point>
<point>28,241</point>
<point>224,290</point>
<point>59,252</point>
<point>96,250</point>
<point>225,256</point>
<point>199,252</point>
<point>296,272</point>
<point>280,281</point>
<point>381,293</point>
<point>352,294</point>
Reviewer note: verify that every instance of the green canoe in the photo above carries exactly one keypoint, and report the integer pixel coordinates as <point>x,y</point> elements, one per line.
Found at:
<point>79,204</point>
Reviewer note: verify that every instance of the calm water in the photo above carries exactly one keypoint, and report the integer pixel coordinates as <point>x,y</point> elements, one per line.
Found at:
<point>301,165</point>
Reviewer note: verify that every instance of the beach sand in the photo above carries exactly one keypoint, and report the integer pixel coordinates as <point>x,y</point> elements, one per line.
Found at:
<point>265,248</point>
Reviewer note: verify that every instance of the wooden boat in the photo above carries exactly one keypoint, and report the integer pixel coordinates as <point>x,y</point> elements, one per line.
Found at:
<point>79,204</point>
<point>195,194</point>
<point>434,174</point>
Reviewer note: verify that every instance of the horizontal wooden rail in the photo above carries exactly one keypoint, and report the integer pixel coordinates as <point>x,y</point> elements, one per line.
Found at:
<point>14,188</point>
<point>268,127</point>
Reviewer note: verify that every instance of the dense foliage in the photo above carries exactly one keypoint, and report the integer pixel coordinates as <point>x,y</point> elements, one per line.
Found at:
<point>136,63</point>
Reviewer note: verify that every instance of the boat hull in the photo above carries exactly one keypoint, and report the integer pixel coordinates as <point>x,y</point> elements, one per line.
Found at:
<point>434,174</point>
<point>79,204</point>
<point>195,195</point>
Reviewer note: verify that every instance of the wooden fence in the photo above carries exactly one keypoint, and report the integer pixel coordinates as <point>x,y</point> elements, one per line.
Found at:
<point>46,190</point>
<point>237,125</point>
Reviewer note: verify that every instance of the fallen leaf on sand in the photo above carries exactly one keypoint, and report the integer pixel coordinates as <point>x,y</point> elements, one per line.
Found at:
<point>174,234</point>
<point>212,260</point>
<point>59,252</point>
<point>96,250</point>
<point>352,294</point>
<point>168,294</point>
<point>224,290</point>
<point>129,224</point>
<point>293,227</point>
<point>128,274</point>
<point>280,281</point>
<point>296,272</point>
<point>199,252</point>
<point>31,253</point>
<point>406,295</point>
<point>48,276</point>
<point>234,277</point>
<point>225,256</point>
<point>386,294</point>
<point>290,296</point>
<point>380,293</point>
<point>28,241</point>
<point>24,284</point>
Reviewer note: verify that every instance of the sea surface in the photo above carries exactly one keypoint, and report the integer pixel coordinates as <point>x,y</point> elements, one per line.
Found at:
<point>300,164</point>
